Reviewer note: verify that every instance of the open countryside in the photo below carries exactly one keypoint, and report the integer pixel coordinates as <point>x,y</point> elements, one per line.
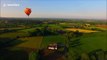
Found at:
<point>55,39</point>
<point>53,30</point>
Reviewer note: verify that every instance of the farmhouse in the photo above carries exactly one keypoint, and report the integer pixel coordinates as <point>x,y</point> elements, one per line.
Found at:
<point>56,46</point>
<point>87,25</point>
<point>52,46</point>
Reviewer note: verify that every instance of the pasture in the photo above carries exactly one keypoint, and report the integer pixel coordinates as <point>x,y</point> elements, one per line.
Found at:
<point>94,41</point>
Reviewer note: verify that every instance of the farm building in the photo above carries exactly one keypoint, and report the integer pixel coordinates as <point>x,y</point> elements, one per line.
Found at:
<point>55,46</point>
<point>52,46</point>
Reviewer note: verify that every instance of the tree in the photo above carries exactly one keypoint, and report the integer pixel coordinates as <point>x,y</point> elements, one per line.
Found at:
<point>72,41</point>
<point>73,38</point>
<point>37,32</point>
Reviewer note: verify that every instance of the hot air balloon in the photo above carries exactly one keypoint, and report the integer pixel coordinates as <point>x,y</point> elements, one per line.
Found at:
<point>27,11</point>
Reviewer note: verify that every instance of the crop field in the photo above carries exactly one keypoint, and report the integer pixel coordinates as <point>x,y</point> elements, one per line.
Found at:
<point>102,26</point>
<point>80,30</point>
<point>30,42</point>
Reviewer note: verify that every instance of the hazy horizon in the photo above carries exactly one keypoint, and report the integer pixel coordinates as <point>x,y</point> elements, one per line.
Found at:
<point>79,9</point>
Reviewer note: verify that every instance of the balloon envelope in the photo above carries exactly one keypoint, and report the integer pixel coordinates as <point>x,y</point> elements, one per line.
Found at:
<point>27,11</point>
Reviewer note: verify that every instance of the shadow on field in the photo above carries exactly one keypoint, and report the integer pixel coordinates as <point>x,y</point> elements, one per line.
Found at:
<point>46,54</point>
<point>6,54</point>
<point>8,42</point>
<point>13,55</point>
<point>98,54</point>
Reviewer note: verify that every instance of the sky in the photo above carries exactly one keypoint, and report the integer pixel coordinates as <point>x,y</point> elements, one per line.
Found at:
<point>91,9</point>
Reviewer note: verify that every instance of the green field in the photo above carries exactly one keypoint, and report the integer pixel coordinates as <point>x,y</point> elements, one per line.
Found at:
<point>53,39</point>
<point>14,35</point>
<point>94,41</point>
